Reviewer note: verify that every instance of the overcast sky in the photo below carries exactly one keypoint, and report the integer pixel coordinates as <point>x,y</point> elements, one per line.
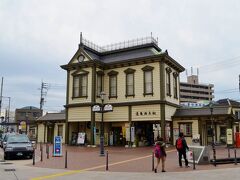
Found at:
<point>36,37</point>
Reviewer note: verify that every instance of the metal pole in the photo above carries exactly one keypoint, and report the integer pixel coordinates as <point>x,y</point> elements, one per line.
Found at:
<point>235,156</point>
<point>66,159</point>
<point>41,154</point>
<point>33,157</point>
<point>228,152</point>
<point>152,161</point>
<point>107,162</point>
<point>102,134</point>
<point>213,141</point>
<point>1,96</point>
<point>194,161</point>
<point>47,149</point>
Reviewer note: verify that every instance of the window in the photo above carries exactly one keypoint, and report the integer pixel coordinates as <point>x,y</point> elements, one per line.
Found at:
<point>168,81</point>
<point>76,86</point>
<point>112,84</point>
<point>99,84</point>
<point>83,85</point>
<point>60,130</point>
<point>129,82</point>
<point>80,85</point>
<point>130,85</point>
<point>148,80</point>
<point>175,85</point>
<point>186,129</point>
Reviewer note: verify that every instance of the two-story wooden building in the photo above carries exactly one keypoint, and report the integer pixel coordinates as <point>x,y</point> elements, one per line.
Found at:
<point>140,81</point>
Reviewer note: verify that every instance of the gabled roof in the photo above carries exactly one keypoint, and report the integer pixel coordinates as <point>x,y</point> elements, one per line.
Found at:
<point>227,102</point>
<point>53,117</point>
<point>30,108</point>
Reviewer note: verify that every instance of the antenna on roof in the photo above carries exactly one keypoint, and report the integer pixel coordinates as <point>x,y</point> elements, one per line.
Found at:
<point>151,34</point>
<point>197,72</point>
<point>191,71</point>
<point>80,37</point>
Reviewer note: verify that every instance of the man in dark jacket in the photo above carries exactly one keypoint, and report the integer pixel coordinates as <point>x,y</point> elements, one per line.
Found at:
<point>182,147</point>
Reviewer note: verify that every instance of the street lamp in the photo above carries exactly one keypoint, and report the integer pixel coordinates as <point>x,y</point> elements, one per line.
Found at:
<point>103,109</point>
<point>102,95</point>
<point>213,134</point>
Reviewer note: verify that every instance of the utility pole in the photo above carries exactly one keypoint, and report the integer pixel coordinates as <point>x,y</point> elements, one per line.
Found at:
<point>44,88</point>
<point>1,96</point>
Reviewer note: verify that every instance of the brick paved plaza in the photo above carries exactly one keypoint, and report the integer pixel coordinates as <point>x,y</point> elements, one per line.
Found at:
<point>122,159</point>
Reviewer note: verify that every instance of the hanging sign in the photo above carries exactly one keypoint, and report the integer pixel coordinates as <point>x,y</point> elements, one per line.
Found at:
<point>57,151</point>
<point>229,136</point>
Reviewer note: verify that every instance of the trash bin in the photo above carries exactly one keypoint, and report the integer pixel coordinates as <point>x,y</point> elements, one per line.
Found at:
<point>237,137</point>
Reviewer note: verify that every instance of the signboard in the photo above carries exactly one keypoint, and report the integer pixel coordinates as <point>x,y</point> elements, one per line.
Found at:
<point>23,125</point>
<point>57,148</point>
<point>81,138</point>
<point>201,154</point>
<point>229,136</point>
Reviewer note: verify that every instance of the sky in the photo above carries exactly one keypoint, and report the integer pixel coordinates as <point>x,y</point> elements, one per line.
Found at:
<point>36,37</point>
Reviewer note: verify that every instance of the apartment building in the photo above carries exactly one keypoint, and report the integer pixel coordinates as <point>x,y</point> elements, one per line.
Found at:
<point>193,91</point>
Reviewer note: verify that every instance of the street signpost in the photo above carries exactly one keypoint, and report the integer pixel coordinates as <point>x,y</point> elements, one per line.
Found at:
<point>57,148</point>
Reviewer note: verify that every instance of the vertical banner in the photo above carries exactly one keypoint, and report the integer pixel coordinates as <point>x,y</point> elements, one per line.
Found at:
<point>57,151</point>
<point>133,134</point>
<point>229,137</point>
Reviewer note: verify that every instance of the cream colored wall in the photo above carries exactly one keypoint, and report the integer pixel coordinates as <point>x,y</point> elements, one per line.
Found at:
<point>118,114</point>
<point>56,131</point>
<point>79,114</point>
<point>169,112</point>
<point>40,133</point>
<point>138,79</point>
<point>89,82</point>
<point>194,129</point>
<point>146,108</point>
<point>168,98</point>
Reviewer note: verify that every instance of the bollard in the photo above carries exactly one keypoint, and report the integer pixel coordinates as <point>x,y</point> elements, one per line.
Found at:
<point>41,151</point>
<point>40,146</point>
<point>235,156</point>
<point>107,162</point>
<point>47,151</point>
<point>53,150</point>
<point>228,152</point>
<point>194,161</point>
<point>66,159</point>
<point>33,156</point>
<point>152,161</point>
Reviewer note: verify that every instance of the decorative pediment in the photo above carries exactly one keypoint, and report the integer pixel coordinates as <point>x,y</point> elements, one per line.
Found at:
<point>129,71</point>
<point>113,73</point>
<point>79,72</point>
<point>147,68</point>
<point>80,56</point>
<point>101,73</point>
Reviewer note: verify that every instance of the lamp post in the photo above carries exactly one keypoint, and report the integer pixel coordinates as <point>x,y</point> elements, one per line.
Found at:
<point>213,134</point>
<point>102,95</point>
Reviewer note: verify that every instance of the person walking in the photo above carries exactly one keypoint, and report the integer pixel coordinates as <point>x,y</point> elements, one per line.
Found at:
<point>160,153</point>
<point>182,147</point>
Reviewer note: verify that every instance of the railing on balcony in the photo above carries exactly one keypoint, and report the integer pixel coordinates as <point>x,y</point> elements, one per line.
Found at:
<point>120,45</point>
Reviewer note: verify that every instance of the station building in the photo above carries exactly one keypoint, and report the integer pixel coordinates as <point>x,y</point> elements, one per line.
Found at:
<point>140,81</point>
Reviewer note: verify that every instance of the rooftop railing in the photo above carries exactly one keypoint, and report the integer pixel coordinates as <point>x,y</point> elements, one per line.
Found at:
<point>120,45</point>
